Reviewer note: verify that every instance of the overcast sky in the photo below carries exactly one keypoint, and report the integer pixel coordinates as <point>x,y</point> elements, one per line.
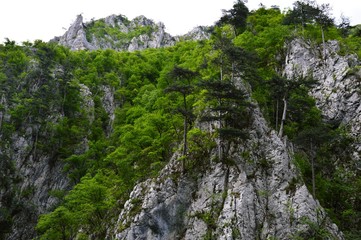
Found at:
<point>28,20</point>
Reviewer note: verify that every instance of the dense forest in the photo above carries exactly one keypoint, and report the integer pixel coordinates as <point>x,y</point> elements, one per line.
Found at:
<point>113,119</point>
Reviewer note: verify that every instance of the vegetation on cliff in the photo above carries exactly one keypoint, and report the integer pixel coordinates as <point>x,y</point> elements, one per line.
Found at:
<point>158,95</point>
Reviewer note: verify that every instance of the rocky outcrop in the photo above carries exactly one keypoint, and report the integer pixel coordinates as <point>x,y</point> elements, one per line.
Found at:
<point>197,33</point>
<point>75,37</point>
<point>127,37</point>
<point>256,194</point>
<point>119,33</point>
<point>339,78</point>
<point>156,39</point>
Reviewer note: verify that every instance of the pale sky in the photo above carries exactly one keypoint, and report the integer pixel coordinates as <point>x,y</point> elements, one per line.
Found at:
<point>28,20</point>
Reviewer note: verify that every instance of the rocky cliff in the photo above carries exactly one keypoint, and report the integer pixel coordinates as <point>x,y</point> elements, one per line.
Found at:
<point>32,176</point>
<point>260,195</point>
<point>257,193</point>
<point>119,33</point>
<point>337,91</point>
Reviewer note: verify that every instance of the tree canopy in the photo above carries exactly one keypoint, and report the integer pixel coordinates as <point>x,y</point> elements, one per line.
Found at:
<point>112,119</point>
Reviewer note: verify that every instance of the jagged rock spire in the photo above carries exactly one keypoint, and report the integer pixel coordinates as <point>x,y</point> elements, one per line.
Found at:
<point>75,37</point>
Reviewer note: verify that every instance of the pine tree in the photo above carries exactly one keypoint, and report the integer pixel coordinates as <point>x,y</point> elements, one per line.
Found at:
<point>182,84</point>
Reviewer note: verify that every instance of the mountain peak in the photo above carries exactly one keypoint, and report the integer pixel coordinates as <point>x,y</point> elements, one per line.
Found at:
<point>119,33</point>
<point>75,36</point>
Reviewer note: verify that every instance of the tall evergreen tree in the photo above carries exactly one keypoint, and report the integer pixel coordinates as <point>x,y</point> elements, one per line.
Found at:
<point>281,89</point>
<point>237,17</point>
<point>182,83</point>
<point>229,109</point>
<point>307,12</point>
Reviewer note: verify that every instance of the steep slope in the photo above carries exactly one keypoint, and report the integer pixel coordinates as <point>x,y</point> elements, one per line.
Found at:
<point>338,77</point>
<point>45,117</point>
<point>255,194</point>
<point>80,129</point>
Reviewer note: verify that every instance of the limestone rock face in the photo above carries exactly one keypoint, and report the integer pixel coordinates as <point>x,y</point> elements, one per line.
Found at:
<point>34,173</point>
<point>75,37</point>
<point>119,33</point>
<point>257,194</point>
<point>158,38</point>
<point>336,93</point>
<point>197,33</point>
<point>38,179</point>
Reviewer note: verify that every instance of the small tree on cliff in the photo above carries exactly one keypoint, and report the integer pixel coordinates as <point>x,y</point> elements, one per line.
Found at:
<point>228,107</point>
<point>181,83</point>
<point>308,12</point>
<point>281,90</point>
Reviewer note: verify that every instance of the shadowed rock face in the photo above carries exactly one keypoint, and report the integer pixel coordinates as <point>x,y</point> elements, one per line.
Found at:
<point>37,173</point>
<point>257,194</point>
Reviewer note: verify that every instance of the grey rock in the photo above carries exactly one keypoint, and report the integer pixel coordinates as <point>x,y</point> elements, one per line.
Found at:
<point>76,36</point>
<point>336,93</point>
<point>38,177</point>
<point>40,172</point>
<point>196,34</point>
<point>259,196</point>
<point>87,101</point>
<point>109,105</point>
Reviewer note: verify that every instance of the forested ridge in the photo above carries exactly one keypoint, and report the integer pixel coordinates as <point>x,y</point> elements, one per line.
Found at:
<point>113,119</point>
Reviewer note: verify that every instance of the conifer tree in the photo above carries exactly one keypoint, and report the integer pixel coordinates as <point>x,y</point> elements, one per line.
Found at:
<point>281,89</point>
<point>182,84</point>
<point>229,108</point>
<point>237,17</point>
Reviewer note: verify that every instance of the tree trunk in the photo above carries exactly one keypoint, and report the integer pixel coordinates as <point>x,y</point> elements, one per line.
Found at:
<point>313,171</point>
<point>185,130</point>
<point>232,72</point>
<point>1,119</point>
<point>324,43</point>
<point>185,144</point>
<point>280,133</point>
<point>219,138</point>
<point>277,106</point>
<point>313,177</point>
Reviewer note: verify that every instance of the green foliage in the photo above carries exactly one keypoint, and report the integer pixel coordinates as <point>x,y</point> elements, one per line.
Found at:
<point>86,205</point>
<point>237,16</point>
<point>200,145</point>
<point>336,187</point>
<point>351,45</point>
<point>266,36</point>
<point>228,105</point>
<point>142,139</point>
<point>114,118</point>
<point>60,224</point>
<point>315,230</point>
<point>307,12</point>
<point>116,37</point>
